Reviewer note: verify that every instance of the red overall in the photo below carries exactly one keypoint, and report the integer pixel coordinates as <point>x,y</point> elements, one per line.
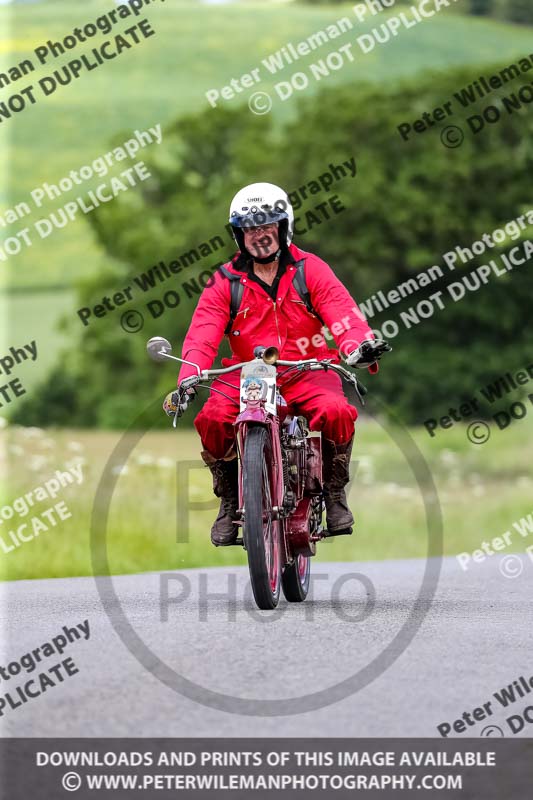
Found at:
<point>286,324</point>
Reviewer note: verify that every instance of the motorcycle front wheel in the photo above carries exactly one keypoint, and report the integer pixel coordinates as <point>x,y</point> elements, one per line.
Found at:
<point>261,532</point>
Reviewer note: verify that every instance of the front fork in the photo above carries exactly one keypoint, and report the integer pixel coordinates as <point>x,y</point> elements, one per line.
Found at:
<point>258,416</point>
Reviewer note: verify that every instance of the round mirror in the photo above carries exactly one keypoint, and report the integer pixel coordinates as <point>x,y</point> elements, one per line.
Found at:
<point>156,345</point>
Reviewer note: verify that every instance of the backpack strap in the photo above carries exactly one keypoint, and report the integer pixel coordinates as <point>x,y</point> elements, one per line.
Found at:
<point>236,289</point>
<point>300,284</point>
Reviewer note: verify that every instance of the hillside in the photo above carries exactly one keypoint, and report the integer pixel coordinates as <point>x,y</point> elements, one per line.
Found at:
<point>205,46</point>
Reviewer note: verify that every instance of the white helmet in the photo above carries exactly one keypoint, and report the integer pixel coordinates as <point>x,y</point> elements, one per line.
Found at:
<point>261,204</point>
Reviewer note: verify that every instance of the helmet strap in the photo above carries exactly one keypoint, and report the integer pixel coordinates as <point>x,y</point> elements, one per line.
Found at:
<point>268,259</point>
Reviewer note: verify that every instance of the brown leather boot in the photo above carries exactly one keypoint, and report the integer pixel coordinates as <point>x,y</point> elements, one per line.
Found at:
<point>225,485</point>
<point>336,465</point>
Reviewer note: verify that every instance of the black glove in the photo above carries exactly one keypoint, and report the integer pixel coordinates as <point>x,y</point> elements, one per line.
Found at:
<point>177,402</point>
<point>368,353</point>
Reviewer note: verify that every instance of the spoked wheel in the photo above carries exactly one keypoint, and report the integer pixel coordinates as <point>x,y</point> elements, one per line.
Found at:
<point>296,578</point>
<point>261,532</point>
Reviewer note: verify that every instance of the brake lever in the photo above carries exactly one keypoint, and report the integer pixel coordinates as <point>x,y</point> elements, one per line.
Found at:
<point>351,378</point>
<point>360,390</point>
<point>360,386</point>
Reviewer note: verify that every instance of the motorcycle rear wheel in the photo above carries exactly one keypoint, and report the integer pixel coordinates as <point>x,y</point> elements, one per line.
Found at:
<point>295,579</point>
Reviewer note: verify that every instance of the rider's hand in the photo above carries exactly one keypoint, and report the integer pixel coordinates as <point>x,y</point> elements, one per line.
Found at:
<point>368,353</point>
<point>177,402</point>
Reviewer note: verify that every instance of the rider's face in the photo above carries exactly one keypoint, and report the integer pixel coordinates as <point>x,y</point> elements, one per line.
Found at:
<point>262,241</point>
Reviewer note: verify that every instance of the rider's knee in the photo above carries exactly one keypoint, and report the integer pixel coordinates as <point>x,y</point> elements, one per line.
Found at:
<point>339,421</point>
<point>340,411</point>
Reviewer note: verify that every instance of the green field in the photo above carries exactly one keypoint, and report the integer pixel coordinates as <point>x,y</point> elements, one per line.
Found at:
<point>36,315</point>
<point>201,47</point>
<point>482,491</point>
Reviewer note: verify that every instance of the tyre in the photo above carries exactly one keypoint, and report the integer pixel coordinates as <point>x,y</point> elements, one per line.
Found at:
<point>261,532</point>
<point>296,578</point>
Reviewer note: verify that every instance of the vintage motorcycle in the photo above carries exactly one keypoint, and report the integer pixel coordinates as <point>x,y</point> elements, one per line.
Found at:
<point>280,477</point>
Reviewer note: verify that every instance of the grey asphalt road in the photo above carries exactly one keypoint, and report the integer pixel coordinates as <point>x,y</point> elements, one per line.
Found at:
<point>474,640</point>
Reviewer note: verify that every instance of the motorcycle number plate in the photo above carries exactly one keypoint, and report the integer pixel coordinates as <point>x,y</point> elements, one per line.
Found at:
<point>258,382</point>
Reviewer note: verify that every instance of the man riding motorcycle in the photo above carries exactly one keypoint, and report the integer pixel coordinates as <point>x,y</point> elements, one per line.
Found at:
<point>274,293</point>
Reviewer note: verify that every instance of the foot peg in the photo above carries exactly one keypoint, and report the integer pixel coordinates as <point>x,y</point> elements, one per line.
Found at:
<point>238,540</point>
<point>342,532</point>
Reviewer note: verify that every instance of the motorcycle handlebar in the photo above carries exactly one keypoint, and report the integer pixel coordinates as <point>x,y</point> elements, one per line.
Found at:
<point>206,374</point>
<point>312,364</point>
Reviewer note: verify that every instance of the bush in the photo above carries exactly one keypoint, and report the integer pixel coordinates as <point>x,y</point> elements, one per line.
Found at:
<point>410,203</point>
<point>520,11</point>
<point>482,8</point>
